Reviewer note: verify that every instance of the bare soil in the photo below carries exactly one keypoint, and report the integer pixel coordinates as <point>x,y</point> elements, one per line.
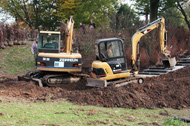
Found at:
<point>171,90</point>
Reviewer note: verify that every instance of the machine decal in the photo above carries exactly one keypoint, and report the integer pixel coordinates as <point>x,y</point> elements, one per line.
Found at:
<point>58,64</point>
<point>68,60</point>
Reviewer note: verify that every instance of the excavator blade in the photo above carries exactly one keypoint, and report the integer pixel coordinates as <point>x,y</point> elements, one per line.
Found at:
<point>26,78</point>
<point>117,83</point>
<point>96,82</point>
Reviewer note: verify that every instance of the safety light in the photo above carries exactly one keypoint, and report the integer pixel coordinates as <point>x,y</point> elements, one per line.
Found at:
<point>75,65</point>
<point>42,64</point>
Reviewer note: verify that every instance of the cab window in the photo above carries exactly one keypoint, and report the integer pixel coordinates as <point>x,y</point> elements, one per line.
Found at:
<point>111,49</point>
<point>48,41</point>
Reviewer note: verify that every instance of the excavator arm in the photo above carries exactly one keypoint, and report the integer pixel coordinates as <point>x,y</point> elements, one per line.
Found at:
<point>69,35</point>
<point>159,23</point>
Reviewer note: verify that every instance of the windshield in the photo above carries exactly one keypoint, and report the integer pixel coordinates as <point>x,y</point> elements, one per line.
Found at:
<point>111,49</point>
<point>48,41</point>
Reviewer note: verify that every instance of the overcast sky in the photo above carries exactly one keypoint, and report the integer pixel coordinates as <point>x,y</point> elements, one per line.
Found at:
<point>127,1</point>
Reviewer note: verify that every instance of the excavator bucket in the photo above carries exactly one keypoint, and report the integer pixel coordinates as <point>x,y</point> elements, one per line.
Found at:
<point>172,62</point>
<point>169,63</point>
<point>96,82</point>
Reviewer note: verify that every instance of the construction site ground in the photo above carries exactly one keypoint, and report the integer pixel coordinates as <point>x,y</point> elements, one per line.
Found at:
<point>168,90</point>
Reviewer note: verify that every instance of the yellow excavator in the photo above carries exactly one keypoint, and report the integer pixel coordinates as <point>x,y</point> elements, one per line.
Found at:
<point>110,68</point>
<point>53,66</point>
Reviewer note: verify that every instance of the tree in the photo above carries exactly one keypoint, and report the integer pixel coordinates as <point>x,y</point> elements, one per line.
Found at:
<point>33,13</point>
<point>126,19</point>
<point>154,5</point>
<point>50,13</point>
<point>180,5</point>
<point>159,6</point>
<point>174,17</point>
<point>143,8</point>
<point>67,8</point>
<point>99,10</point>
<point>146,7</point>
<point>180,8</point>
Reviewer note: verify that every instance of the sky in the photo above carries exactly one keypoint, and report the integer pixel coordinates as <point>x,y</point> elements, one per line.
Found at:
<point>4,16</point>
<point>129,2</point>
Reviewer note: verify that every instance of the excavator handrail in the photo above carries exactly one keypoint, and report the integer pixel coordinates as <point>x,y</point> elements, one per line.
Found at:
<point>143,31</point>
<point>150,24</point>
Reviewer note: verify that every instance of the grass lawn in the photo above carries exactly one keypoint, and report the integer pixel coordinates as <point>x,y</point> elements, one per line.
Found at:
<point>64,113</point>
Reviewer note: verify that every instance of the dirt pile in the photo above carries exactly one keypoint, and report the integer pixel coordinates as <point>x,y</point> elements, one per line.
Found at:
<point>170,90</point>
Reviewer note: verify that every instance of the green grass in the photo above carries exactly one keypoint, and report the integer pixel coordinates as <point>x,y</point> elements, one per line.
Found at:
<point>17,59</point>
<point>65,113</point>
<point>172,122</point>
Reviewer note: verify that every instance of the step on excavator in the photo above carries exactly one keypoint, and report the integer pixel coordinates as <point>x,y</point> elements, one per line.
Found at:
<point>53,66</point>
<point>110,68</point>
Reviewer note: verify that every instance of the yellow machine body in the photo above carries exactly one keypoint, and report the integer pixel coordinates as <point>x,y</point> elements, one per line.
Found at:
<point>65,58</point>
<point>109,75</point>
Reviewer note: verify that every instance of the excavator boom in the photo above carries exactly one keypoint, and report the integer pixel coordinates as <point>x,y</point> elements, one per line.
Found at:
<point>69,35</point>
<point>159,23</point>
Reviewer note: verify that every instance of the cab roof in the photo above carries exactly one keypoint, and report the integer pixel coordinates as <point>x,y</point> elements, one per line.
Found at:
<point>51,32</point>
<point>107,39</point>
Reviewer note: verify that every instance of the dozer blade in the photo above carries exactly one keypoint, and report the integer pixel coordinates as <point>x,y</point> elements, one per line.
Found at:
<point>30,77</point>
<point>96,82</point>
<point>117,83</point>
<point>126,83</point>
<point>26,78</point>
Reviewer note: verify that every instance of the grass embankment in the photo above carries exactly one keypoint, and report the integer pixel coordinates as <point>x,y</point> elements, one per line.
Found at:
<point>64,113</point>
<point>19,60</point>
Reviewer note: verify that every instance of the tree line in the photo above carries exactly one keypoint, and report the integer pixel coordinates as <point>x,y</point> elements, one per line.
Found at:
<point>49,14</point>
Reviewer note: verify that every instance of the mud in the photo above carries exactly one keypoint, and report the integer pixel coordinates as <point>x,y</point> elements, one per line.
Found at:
<point>171,90</point>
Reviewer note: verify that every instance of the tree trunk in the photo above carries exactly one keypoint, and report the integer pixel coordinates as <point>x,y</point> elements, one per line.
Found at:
<point>146,20</point>
<point>154,4</point>
<point>184,14</point>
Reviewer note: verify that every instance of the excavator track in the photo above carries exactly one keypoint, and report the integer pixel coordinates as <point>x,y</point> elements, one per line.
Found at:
<point>60,79</point>
<point>127,81</point>
<point>57,79</point>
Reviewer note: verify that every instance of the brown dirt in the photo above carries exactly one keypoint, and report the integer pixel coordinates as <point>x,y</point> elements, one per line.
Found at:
<point>170,90</point>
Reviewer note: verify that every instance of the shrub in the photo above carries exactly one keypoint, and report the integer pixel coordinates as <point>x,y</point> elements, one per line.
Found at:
<point>144,58</point>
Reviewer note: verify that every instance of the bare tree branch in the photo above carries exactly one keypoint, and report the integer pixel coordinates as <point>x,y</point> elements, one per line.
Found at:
<point>180,8</point>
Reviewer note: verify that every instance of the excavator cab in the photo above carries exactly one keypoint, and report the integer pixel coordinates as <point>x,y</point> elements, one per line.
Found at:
<point>112,51</point>
<point>49,42</point>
